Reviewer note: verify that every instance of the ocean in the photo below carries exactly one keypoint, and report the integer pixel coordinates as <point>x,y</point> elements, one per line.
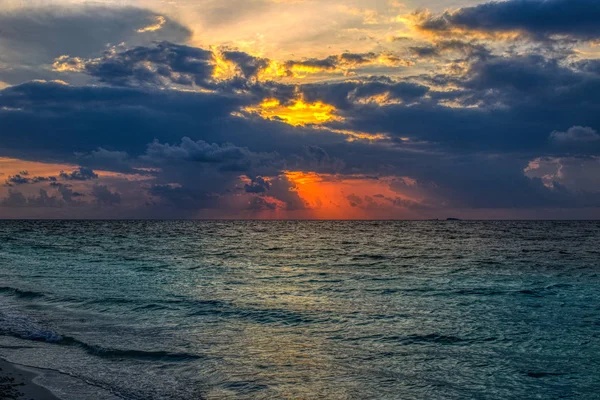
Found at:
<point>303,310</point>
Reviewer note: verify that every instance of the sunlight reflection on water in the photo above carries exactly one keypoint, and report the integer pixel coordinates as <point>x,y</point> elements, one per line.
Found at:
<point>338,310</point>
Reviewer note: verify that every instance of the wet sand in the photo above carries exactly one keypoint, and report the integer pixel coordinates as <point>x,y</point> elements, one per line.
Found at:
<point>17,384</point>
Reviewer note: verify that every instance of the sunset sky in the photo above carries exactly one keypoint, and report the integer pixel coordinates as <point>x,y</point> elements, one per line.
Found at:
<point>300,109</point>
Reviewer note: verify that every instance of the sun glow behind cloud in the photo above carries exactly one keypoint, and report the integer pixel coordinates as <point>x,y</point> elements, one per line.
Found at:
<point>348,87</point>
<point>331,196</point>
<point>296,113</point>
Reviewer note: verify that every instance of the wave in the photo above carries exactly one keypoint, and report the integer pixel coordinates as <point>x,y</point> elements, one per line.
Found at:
<point>24,294</point>
<point>23,327</point>
<point>112,353</point>
<point>420,339</point>
<point>479,292</point>
<point>369,257</point>
<point>221,309</point>
<point>539,375</point>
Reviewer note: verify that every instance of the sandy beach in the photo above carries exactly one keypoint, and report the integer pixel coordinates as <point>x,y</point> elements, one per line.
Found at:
<point>17,384</point>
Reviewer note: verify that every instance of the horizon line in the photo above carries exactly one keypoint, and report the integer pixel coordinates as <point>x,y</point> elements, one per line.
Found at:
<point>306,219</point>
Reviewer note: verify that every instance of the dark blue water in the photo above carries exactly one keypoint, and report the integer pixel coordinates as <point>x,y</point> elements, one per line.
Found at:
<point>304,310</point>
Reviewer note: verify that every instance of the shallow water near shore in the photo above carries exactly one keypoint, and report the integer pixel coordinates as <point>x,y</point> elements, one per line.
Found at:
<point>336,310</point>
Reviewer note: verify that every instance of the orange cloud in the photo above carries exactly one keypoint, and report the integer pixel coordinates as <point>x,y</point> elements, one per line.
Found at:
<point>14,166</point>
<point>344,197</point>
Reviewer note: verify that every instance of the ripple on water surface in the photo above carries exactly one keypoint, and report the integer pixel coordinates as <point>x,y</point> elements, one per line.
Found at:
<point>337,310</point>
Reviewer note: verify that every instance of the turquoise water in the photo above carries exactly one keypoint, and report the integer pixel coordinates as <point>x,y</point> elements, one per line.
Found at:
<point>304,310</point>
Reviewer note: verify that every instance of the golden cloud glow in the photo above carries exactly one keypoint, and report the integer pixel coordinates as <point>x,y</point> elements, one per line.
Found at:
<point>160,21</point>
<point>223,68</point>
<point>275,70</point>
<point>356,135</point>
<point>341,64</point>
<point>297,113</point>
<point>415,23</point>
<point>66,63</point>
<point>299,70</point>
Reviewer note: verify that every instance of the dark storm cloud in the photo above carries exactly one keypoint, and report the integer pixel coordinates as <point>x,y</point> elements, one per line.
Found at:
<point>329,63</point>
<point>204,165</point>
<point>80,31</point>
<point>249,65</point>
<point>424,51</point>
<point>122,120</point>
<point>344,95</point>
<point>519,101</point>
<point>204,173</point>
<point>257,185</point>
<point>23,179</point>
<point>151,65</point>
<point>17,180</point>
<point>186,198</point>
<point>316,158</point>
<point>261,204</point>
<point>540,19</point>
<point>469,156</point>
<point>118,161</point>
<point>69,196</point>
<point>30,37</point>
<point>284,190</point>
<point>16,199</point>
<point>166,62</point>
<point>531,74</point>
<point>469,50</point>
<point>575,134</point>
<point>317,153</point>
<point>105,197</point>
<point>199,151</point>
<point>590,66</point>
<point>81,174</point>
<point>472,132</point>
<point>225,157</point>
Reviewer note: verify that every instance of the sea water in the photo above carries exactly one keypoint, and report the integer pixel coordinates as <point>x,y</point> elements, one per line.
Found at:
<point>303,310</point>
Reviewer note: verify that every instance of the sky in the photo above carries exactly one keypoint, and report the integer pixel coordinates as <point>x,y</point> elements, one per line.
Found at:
<point>300,109</point>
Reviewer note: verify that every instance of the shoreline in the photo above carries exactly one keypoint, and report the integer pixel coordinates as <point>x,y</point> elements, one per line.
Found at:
<point>17,383</point>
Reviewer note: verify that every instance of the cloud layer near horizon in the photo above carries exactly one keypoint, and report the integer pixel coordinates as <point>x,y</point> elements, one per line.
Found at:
<point>470,112</point>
